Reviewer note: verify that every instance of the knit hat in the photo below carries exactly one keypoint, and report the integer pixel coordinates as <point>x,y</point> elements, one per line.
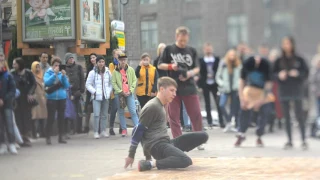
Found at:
<point>68,56</point>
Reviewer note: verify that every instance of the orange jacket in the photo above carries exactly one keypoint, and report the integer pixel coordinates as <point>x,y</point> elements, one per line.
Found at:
<point>147,80</point>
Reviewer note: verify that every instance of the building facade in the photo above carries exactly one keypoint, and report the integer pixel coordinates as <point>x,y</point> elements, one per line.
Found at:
<point>224,23</point>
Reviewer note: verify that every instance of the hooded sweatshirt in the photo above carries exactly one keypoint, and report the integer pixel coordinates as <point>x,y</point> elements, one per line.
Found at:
<point>75,75</point>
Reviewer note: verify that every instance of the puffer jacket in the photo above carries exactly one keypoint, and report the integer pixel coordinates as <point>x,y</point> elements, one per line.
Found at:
<point>94,84</point>
<point>50,78</point>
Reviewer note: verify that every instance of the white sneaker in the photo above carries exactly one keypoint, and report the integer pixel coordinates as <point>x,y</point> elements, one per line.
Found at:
<point>227,128</point>
<point>201,147</point>
<point>96,135</point>
<point>104,134</point>
<point>13,149</point>
<point>3,149</point>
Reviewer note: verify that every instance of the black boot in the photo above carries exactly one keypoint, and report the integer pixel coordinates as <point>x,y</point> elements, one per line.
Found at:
<point>111,132</point>
<point>86,130</point>
<point>61,140</point>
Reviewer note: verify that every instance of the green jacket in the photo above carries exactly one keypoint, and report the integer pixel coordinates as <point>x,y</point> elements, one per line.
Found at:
<point>117,80</point>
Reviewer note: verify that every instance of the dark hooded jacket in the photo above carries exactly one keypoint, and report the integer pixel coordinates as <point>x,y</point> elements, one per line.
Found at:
<point>76,76</point>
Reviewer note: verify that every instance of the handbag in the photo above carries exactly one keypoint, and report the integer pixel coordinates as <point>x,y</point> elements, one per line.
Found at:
<point>53,88</point>
<point>33,103</point>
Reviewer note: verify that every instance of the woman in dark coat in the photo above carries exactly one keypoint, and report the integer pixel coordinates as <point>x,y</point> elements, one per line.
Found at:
<point>291,70</point>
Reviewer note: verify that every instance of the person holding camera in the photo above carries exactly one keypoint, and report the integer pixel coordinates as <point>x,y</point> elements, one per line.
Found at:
<point>181,62</point>
<point>56,83</point>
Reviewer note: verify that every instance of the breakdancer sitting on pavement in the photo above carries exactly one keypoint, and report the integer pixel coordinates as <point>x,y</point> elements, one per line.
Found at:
<point>152,133</point>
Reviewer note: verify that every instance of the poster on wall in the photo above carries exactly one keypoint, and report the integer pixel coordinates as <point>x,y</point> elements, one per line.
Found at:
<point>47,20</point>
<point>118,31</point>
<point>93,20</point>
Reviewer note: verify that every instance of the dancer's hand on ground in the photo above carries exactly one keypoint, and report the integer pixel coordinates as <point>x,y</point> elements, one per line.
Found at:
<point>283,75</point>
<point>129,161</point>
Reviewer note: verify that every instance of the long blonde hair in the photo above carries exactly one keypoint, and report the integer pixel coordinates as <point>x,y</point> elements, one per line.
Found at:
<point>237,61</point>
<point>161,45</point>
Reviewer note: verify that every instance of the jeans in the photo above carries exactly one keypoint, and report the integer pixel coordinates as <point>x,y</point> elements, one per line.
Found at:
<point>171,154</point>
<point>185,117</point>
<point>245,116</point>
<point>192,104</point>
<point>299,116</point>
<point>234,105</point>
<point>131,105</point>
<point>55,106</point>
<point>100,112</point>
<point>206,93</point>
<point>6,125</point>
<point>114,110</point>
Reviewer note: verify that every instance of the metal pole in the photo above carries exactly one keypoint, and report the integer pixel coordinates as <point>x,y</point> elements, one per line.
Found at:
<point>119,10</point>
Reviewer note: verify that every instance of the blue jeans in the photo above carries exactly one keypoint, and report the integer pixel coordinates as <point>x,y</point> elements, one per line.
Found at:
<point>100,112</point>
<point>131,105</point>
<point>262,119</point>
<point>234,105</point>
<point>185,116</point>
<point>114,110</point>
<point>6,125</point>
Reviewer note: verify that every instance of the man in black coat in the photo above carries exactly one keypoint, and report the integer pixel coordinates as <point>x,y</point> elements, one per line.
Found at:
<point>208,67</point>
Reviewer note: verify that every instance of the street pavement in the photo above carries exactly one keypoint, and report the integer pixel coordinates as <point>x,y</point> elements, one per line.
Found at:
<point>85,158</point>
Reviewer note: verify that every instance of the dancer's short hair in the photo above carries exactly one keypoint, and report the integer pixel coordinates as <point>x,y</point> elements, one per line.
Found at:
<point>182,30</point>
<point>166,82</point>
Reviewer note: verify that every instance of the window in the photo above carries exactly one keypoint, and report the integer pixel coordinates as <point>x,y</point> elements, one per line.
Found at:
<point>148,1</point>
<point>194,25</point>
<point>281,25</point>
<point>7,12</point>
<point>149,34</point>
<point>237,30</point>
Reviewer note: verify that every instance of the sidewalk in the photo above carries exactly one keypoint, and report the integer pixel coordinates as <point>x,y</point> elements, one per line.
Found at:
<point>85,158</point>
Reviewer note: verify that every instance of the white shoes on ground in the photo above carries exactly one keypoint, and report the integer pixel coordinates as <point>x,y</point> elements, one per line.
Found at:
<point>4,149</point>
<point>96,135</point>
<point>13,149</point>
<point>103,134</point>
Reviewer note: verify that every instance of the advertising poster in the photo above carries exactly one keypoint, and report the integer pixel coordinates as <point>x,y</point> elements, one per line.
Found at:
<point>48,20</point>
<point>118,31</point>
<point>92,14</point>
